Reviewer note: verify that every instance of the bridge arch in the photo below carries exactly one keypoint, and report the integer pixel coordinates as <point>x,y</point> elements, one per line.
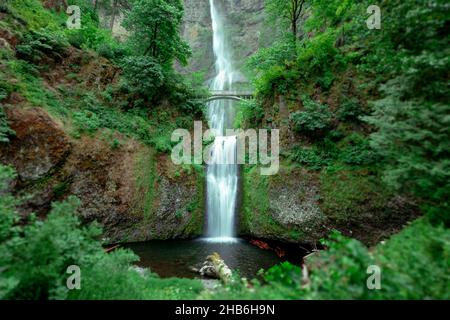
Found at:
<point>215,98</point>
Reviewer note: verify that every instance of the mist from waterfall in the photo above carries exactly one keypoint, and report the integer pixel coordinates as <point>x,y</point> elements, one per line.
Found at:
<point>222,173</point>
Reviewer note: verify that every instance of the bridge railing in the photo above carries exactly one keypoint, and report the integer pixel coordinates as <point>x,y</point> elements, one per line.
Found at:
<point>231,93</point>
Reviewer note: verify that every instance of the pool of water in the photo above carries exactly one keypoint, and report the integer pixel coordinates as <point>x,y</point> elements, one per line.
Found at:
<point>177,258</point>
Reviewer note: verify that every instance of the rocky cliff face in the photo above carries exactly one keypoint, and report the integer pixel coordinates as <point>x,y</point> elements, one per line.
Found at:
<point>303,206</point>
<point>245,21</point>
<point>134,193</point>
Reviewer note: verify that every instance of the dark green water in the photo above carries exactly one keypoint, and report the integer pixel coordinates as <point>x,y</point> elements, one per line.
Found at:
<point>176,258</point>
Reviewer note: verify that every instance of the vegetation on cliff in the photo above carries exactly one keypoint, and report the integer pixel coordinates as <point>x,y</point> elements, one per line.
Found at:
<point>364,116</point>
<point>365,109</point>
<point>83,91</point>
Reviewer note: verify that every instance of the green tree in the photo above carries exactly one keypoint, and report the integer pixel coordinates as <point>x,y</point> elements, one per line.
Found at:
<point>290,11</point>
<point>413,116</point>
<point>155,26</point>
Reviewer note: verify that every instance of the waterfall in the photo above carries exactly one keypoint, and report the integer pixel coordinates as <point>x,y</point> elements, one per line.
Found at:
<point>222,172</point>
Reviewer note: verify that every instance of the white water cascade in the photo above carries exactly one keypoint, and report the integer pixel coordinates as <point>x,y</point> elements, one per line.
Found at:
<point>222,172</point>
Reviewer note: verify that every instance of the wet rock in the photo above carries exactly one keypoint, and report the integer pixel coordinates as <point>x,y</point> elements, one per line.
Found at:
<point>291,213</point>
<point>133,194</point>
<point>39,146</point>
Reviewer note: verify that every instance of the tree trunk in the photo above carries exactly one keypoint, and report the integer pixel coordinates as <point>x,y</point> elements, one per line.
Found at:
<point>223,271</point>
<point>216,267</point>
<point>113,17</point>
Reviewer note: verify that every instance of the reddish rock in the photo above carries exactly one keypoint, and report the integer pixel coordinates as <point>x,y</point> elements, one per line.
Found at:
<point>57,5</point>
<point>39,146</point>
<point>260,244</point>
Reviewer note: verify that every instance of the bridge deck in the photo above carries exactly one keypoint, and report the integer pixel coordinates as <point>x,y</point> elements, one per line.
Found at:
<point>227,95</point>
<point>231,93</point>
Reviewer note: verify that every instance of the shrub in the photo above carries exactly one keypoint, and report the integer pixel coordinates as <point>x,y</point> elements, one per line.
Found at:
<point>75,39</point>
<point>357,151</point>
<point>317,53</point>
<point>277,79</point>
<point>112,51</point>
<point>35,45</point>
<point>311,157</point>
<point>341,275</point>
<point>278,54</point>
<point>162,143</point>
<point>86,122</point>
<point>314,120</point>
<point>8,216</point>
<point>350,110</point>
<point>143,75</point>
<point>250,114</point>
<point>4,8</point>
<point>285,274</point>
<point>90,35</point>
<point>34,259</point>
<point>326,80</point>
<point>414,264</point>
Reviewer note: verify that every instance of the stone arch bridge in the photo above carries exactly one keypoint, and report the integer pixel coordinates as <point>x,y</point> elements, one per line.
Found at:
<point>227,95</point>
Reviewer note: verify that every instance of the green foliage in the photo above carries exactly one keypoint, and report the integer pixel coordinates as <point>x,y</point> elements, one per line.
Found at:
<point>414,265</point>
<point>112,51</point>
<point>356,150</point>
<point>279,53</point>
<point>36,45</point>
<point>314,120</point>
<point>284,274</point>
<point>163,144</point>
<point>346,195</point>
<point>34,259</point>
<point>155,28</point>
<point>414,138</point>
<point>5,130</point>
<point>350,110</point>
<point>330,13</point>
<point>341,276</point>
<point>8,215</point>
<point>4,8</point>
<point>35,16</point>
<point>283,14</point>
<point>38,259</point>
<point>86,121</point>
<point>317,54</point>
<point>270,67</point>
<point>275,80</point>
<point>412,117</point>
<point>143,75</point>
<point>90,36</point>
<point>250,114</point>
<point>315,158</point>
<point>404,68</point>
